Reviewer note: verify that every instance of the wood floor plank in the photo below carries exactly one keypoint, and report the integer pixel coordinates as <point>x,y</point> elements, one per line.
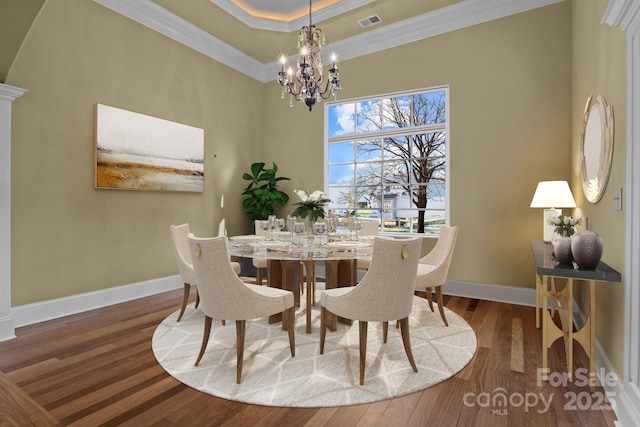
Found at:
<point>97,368</point>
<point>475,387</point>
<point>517,346</point>
<point>321,417</point>
<point>17,408</point>
<point>122,409</point>
<point>373,413</point>
<point>401,408</point>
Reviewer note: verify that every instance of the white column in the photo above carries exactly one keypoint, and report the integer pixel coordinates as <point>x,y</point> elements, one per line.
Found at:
<point>7,95</point>
<point>626,15</point>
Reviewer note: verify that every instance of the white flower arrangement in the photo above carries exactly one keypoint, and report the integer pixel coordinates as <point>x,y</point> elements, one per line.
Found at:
<point>310,204</point>
<point>565,225</point>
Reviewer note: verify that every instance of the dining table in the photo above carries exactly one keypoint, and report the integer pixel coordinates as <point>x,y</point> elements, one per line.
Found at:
<point>289,256</point>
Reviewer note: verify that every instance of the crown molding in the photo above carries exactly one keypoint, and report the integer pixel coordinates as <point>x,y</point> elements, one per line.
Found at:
<point>460,15</point>
<point>288,27</point>
<point>621,13</point>
<point>149,14</point>
<point>10,93</point>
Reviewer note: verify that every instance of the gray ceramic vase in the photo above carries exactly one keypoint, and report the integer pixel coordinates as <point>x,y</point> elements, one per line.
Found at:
<point>562,250</point>
<point>586,247</point>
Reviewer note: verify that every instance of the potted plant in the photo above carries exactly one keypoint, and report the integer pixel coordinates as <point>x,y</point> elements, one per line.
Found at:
<point>263,196</point>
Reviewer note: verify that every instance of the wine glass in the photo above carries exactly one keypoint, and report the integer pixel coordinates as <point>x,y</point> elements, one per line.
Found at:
<point>271,219</point>
<point>264,226</point>
<point>290,221</point>
<point>320,229</point>
<point>298,231</point>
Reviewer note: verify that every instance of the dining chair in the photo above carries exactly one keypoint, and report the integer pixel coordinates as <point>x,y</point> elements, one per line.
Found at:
<point>225,296</point>
<point>222,231</point>
<point>367,228</point>
<point>384,294</point>
<point>260,263</point>
<point>433,268</point>
<point>180,242</point>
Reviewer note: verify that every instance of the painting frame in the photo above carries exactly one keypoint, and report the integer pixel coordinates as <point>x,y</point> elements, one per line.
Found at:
<point>136,151</point>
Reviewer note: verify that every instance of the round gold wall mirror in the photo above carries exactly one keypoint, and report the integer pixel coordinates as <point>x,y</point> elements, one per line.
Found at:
<point>596,149</point>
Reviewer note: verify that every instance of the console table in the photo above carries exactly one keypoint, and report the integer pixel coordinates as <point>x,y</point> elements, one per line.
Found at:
<point>547,268</point>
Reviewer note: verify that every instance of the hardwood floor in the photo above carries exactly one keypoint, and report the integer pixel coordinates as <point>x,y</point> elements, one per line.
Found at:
<point>97,368</point>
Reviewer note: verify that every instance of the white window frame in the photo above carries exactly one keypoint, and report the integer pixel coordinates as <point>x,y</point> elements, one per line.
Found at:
<point>355,136</point>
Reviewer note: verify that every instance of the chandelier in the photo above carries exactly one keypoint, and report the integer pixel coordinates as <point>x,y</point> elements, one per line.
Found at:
<point>309,77</point>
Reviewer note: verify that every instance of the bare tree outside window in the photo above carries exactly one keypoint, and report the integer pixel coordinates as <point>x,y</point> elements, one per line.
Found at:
<point>391,150</point>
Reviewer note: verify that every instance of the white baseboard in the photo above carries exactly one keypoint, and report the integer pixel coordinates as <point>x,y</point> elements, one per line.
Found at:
<point>506,294</point>
<point>7,328</point>
<point>627,405</point>
<point>624,398</point>
<point>52,309</point>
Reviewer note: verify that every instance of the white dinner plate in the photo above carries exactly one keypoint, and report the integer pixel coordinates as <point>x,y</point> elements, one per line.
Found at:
<point>271,244</point>
<point>348,245</point>
<point>246,238</point>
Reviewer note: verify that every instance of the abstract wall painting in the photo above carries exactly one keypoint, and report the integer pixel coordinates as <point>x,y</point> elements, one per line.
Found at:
<point>139,152</point>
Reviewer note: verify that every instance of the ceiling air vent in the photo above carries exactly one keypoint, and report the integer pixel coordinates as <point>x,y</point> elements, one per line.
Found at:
<point>372,20</point>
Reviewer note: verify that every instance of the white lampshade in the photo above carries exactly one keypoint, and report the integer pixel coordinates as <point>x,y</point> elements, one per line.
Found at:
<point>553,194</point>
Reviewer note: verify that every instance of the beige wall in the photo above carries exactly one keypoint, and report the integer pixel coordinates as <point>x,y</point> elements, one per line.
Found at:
<point>510,87</point>
<point>518,87</point>
<point>69,238</point>
<point>599,68</point>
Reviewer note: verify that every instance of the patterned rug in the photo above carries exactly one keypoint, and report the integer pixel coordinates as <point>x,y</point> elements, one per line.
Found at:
<point>272,377</point>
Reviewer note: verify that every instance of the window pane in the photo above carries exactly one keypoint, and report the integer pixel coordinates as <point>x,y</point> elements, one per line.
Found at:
<point>368,116</point>
<point>428,145</point>
<point>341,174</point>
<point>368,174</point>
<point>340,152</point>
<point>397,148</point>
<point>429,108</point>
<point>342,198</point>
<point>396,112</point>
<point>396,172</point>
<point>368,150</point>
<point>342,119</point>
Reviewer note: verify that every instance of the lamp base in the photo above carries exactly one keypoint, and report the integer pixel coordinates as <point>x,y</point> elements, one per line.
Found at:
<point>547,228</point>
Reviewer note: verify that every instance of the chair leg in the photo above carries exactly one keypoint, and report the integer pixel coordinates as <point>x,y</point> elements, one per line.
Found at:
<point>429,292</point>
<point>313,293</point>
<point>323,327</point>
<point>205,338</point>
<point>385,331</point>
<point>259,276</point>
<point>185,300</point>
<point>240,328</point>
<point>301,277</point>
<point>197,298</point>
<point>291,326</point>
<point>404,330</point>
<point>362,333</point>
<point>441,305</point>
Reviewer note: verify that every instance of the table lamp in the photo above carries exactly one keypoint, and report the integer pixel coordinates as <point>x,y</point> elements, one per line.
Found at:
<point>551,195</point>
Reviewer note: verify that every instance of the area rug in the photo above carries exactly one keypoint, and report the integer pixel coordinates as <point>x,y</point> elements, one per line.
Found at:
<point>272,377</point>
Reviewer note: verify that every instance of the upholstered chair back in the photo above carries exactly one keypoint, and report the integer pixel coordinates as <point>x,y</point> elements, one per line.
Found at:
<point>386,291</point>
<point>222,228</point>
<point>180,242</point>
<point>440,256</point>
<point>222,294</point>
